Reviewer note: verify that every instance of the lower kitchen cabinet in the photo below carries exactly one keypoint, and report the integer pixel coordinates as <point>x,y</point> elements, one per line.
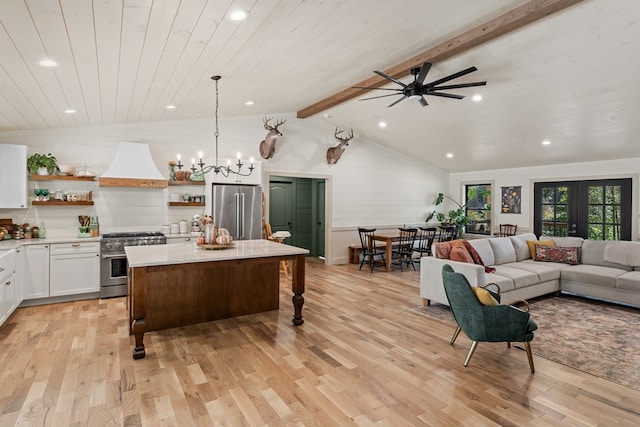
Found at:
<point>74,268</point>
<point>35,271</point>
<point>9,290</point>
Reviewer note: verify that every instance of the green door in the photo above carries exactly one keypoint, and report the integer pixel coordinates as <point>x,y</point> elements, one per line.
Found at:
<point>281,206</point>
<point>318,190</point>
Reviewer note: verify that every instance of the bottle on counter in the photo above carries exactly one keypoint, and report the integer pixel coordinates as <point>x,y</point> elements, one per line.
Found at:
<point>43,231</point>
<point>94,226</point>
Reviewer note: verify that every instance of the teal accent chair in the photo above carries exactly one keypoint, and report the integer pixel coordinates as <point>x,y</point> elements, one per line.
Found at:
<point>486,323</point>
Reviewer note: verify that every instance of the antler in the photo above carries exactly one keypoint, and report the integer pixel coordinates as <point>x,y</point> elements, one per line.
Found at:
<point>347,139</point>
<point>267,126</point>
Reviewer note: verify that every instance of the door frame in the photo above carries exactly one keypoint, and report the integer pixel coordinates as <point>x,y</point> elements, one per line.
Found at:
<point>328,197</point>
<point>635,195</point>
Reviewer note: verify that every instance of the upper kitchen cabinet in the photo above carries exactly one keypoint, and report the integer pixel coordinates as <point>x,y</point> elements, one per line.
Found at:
<point>254,179</point>
<point>13,176</point>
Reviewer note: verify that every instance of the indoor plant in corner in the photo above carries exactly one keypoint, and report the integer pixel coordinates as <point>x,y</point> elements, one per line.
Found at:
<point>458,216</point>
<point>42,164</point>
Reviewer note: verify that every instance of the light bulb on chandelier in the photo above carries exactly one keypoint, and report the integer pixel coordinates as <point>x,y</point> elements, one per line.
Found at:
<point>224,170</point>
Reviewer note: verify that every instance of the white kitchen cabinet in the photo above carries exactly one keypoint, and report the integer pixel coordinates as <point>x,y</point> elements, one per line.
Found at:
<point>9,292</point>
<point>13,176</point>
<point>35,271</point>
<point>74,268</point>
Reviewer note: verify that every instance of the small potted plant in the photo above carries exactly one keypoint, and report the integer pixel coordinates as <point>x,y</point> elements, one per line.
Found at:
<point>42,164</point>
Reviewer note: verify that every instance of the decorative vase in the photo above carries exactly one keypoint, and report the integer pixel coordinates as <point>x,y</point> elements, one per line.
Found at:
<point>43,171</point>
<point>209,233</point>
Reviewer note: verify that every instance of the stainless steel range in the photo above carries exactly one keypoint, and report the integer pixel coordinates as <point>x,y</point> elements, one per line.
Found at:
<point>113,263</point>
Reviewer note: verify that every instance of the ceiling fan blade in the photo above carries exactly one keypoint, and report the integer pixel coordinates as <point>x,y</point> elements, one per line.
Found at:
<point>423,72</point>
<point>423,101</point>
<point>395,102</point>
<point>379,96</point>
<point>446,95</point>
<point>380,73</point>
<point>453,76</point>
<point>459,86</point>
<point>372,87</point>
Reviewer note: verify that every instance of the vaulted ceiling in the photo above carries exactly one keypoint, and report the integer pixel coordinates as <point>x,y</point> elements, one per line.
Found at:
<point>569,78</point>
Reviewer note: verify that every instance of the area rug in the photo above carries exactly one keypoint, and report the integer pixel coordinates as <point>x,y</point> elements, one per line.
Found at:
<point>599,338</point>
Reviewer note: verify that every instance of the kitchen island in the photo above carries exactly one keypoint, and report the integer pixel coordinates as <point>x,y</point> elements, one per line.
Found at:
<point>183,284</point>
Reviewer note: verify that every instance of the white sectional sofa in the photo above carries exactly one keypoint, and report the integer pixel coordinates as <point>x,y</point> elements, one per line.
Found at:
<point>608,270</point>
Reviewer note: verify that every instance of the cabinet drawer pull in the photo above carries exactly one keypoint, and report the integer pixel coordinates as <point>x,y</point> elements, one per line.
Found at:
<point>75,245</point>
<point>8,283</point>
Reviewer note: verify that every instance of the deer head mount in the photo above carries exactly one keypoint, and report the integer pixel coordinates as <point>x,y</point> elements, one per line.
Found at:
<point>334,153</point>
<point>268,144</point>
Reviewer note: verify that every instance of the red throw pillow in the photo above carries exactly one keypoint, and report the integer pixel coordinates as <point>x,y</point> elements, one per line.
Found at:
<point>561,255</point>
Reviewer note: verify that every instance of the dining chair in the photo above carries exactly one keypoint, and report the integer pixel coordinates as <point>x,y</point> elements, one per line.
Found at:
<point>425,239</point>
<point>369,248</point>
<point>507,230</point>
<point>285,267</point>
<point>403,251</point>
<point>447,233</point>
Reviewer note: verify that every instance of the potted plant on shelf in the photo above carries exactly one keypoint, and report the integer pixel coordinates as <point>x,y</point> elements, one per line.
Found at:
<point>42,164</point>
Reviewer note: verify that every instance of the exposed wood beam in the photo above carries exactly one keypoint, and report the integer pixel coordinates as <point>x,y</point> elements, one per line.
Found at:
<point>503,24</point>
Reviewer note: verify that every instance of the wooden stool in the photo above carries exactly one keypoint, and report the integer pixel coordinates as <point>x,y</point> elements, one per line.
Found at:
<point>284,264</point>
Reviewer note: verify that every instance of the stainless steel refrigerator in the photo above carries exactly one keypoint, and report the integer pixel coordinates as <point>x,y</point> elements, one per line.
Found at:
<point>238,208</point>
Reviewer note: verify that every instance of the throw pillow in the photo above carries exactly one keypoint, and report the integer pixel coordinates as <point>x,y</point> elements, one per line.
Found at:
<point>561,255</point>
<point>532,245</point>
<point>484,296</point>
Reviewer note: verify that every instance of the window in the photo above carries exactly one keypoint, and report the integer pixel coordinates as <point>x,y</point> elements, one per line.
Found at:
<point>478,208</point>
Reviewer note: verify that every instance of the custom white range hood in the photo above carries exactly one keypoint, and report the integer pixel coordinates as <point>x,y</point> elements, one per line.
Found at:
<point>133,167</point>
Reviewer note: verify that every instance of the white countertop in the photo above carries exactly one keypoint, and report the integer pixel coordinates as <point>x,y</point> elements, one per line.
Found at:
<point>184,253</point>
<point>14,244</point>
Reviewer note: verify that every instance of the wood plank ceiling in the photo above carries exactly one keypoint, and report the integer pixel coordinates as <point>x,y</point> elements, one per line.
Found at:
<point>568,77</point>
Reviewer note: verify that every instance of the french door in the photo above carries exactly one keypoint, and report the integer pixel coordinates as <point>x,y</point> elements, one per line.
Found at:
<point>593,209</point>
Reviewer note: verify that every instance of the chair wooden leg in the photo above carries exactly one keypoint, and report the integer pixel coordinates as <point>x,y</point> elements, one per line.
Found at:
<point>455,335</point>
<point>471,350</point>
<point>527,346</point>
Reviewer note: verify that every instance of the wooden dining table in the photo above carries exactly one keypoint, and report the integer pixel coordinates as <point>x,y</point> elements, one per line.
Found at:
<point>389,241</point>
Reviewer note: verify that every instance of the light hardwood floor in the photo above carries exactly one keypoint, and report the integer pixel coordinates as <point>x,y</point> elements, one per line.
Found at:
<point>362,357</point>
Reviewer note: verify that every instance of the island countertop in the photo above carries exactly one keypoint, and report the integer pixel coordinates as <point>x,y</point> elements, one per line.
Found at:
<point>184,253</point>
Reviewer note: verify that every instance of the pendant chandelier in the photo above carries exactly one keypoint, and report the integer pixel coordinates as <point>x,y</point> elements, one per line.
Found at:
<point>223,170</point>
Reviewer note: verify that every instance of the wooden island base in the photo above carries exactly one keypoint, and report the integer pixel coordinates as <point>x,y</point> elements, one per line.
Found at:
<point>169,296</point>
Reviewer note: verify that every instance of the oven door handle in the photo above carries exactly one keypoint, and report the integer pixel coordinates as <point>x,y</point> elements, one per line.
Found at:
<point>113,256</point>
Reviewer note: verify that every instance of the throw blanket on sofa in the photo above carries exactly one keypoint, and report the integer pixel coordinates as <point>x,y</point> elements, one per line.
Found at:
<point>460,250</point>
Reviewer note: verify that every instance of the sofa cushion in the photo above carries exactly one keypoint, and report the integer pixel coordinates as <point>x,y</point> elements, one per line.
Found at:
<point>561,255</point>
<point>622,252</point>
<point>520,245</point>
<point>543,270</point>
<point>629,280</point>
<point>568,242</point>
<point>503,250</point>
<point>593,254</point>
<point>483,247</point>
<point>521,278</point>
<point>532,245</point>
<point>593,274</point>
<point>504,282</point>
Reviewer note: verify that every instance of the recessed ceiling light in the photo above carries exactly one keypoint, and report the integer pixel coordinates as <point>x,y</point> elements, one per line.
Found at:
<point>170,107</point>
<point>449,155</point>
<point>249,103</point>
<point>238,15</point>
<point>477,98</point>
<point>546,142</point>
<point>382,124</point>
<point>48,63</point>
<point>70,111</point>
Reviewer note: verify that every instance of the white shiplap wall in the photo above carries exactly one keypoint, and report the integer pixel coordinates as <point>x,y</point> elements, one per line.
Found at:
<point>371,185</point>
